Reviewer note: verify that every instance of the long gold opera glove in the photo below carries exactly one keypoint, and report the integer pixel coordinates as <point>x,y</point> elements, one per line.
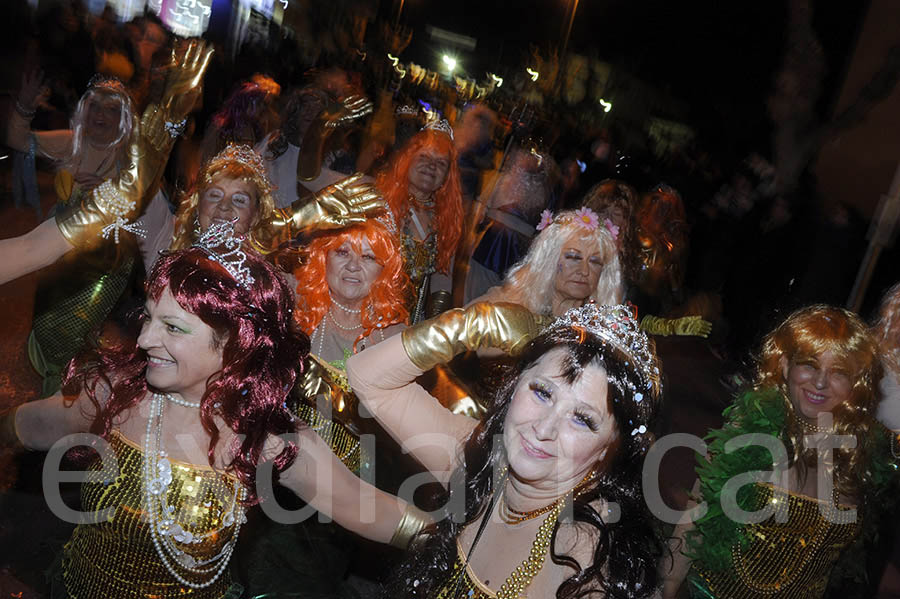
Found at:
<point>688,326</point>
<point>508,327</point>
<point>345,203</point>
<point>114,203</point>
<point>309,162</point>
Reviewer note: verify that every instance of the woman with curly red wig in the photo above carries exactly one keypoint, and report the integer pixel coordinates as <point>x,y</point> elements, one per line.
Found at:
<point>421,187</point>
<point>351,281</point>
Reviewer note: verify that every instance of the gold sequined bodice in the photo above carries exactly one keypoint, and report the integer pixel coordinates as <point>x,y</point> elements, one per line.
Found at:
<point>785,559</point>
<point>323,399</point>
<point>462,582</point>
<point>114,557</point>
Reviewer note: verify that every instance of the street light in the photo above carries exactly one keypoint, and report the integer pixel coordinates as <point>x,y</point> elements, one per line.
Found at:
<point>607,106</point>
<point>534,74</point>
<point>449,62</point>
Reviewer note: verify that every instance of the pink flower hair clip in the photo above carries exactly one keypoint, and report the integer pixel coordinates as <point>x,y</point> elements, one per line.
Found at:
<point>546,220</point>
<point>612,228</point>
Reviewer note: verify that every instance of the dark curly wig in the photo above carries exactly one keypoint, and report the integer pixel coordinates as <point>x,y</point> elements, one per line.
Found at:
<point>625,558</point>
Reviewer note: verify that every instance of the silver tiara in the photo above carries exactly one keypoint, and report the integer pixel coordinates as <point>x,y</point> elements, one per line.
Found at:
<point>442,125</point>
<point>220,244</point>
<point>617,326</point>
<point>407,110</point>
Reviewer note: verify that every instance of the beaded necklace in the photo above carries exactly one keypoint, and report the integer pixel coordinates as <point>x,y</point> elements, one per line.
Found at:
<point>165,531</point>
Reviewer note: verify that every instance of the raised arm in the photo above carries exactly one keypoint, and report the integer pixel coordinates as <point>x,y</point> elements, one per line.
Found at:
<point>37,425</point>
<point>383,377</point>
<point>112,206</point>
<point>318,477</point>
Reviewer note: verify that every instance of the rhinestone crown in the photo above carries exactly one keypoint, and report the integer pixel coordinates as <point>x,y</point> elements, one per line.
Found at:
<point>220,244</point>
<point>617,326</point>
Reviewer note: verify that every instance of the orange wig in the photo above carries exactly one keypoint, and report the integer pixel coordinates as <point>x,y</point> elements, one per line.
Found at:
<point>393,184</point>
<point>386,303</point>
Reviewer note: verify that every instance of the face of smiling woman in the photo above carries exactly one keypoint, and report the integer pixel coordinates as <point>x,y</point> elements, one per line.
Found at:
<point>225,199</point>
<point>181,351</point>
<point>554,432</point>
<point>350,272</point>
<point>817,385</point>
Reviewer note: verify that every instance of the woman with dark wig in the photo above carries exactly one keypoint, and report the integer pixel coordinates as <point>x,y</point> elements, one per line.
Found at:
<point>817,377</point>
<point>554,467</point>
<point>190,420</point>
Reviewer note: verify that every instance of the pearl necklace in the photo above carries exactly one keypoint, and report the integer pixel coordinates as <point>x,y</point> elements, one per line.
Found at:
<point>343,307</point>
<point>340,326</point>
<point>164,530</point>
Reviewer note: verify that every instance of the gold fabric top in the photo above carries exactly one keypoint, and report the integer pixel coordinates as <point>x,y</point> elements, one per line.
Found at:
<point>322,398</point>
<point>462,582</point>
<point>791,559</point>
<point>419,257</point>
<point>115,557</point>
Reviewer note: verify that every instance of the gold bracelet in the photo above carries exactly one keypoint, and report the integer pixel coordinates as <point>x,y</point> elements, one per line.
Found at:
<point>411,524</point>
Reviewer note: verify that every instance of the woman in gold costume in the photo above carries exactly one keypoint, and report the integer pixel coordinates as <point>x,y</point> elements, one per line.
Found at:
<point>553,468</point>
<point>421,188</point>
<point>191,421</point>
<point>100,146</point>
<point>817,377</point>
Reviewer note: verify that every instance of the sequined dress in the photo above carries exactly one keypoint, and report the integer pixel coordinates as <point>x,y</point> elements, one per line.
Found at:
<point>790,559</point>
<point>323,399</point>
<point>115,557</point>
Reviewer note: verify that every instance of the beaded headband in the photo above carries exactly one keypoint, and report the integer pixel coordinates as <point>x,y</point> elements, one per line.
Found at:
<point>616,326</point>
<point>221,245</point>
<point>442,125</point>
<point>105,82</point>
<point>246,156</point>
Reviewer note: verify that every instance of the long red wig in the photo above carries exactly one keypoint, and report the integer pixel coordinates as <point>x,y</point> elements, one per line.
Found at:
<point>393,183</point>
<point>386,303</point>
<point>261,350</point>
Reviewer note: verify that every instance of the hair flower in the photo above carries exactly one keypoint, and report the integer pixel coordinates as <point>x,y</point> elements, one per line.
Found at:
<point>612,227</point>
<point>546,220</point>
<point>587,218</point>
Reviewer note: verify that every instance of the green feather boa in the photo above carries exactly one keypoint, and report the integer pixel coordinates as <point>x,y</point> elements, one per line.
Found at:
<point>713,536</point>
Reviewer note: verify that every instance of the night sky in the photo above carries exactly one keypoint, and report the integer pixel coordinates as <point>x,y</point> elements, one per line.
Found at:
<point>720,57</point>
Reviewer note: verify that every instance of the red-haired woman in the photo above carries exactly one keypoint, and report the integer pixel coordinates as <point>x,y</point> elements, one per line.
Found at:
<point>351,294</point>
<point>187,415</point>
<point>421,187</point>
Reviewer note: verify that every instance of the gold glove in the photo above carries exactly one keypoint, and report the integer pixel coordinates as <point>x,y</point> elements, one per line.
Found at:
<point>411,524</point>
<point>693,326</point>
<point>309,162</point>
<point>440,303</point>
<point>110,207</point>
<point>345,203</point>
<point>508,327</point>
<point>9,438</point>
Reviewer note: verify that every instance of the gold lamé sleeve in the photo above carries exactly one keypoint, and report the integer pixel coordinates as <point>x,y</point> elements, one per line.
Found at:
<point>112,206</point>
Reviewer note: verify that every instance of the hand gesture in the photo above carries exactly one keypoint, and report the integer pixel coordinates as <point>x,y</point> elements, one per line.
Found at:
<point>351,109</point>
<point>349,201</point>
<point>190,59</point>
<point>693,326</point>
<point>32,89</point>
